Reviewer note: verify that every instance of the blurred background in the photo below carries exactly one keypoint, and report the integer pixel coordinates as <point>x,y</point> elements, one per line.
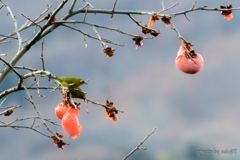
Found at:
<point>191,112</point>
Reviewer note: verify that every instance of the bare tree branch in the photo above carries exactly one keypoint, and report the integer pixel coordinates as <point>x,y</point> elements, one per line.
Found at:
<point>8,36</point>
<point>36,38</point>
<point>31,21</point>
<point>25,26</point>
<point>30,99</point>
<point>105,40</point>
<point>15,24</point>
<point>16,127</point>
<point>140,144</point>
<point>72,7</point>
<point>32,117</point>
<point>18,74</point>
<point>15,89</point>
<point>100,26</point>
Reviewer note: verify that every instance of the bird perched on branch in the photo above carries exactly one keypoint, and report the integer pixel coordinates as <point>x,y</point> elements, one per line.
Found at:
<point>77,93</point>
<point>70,82</point>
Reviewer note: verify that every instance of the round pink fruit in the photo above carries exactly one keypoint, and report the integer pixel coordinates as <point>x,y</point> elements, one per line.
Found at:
<point>189,65</point>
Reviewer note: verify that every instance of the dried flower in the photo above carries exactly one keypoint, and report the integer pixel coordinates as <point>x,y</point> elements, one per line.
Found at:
<point>153,19</point>
<point>155,33</point>
<point>138,41</point>
<point>8,113</point>
<point>111,111</point>
<point>109,51</point>
<point>145,30</point>
<point>187,45</point>
<point>166,20</point>
<point>228,13</point>
<point>58,141</point>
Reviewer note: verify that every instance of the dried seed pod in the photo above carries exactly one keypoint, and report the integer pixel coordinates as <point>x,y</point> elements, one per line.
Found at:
<point>138,41</point>
<point>109,51</point>
<point>153,19</point>
<point>228,13</point>
<point>111,112</point>
<point>59,142</point>
<point>166,20</point>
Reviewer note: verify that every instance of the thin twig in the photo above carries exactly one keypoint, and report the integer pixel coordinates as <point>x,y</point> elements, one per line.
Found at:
<point>35,39</point>
<point>86,7</point>
<point>33,117</point>
<point>58,85</point>
<point>1,55</point>
<point>16,127</point>
<point>31,21</point>
<point>114,8</point>
<point>139,145</point>
<point>99,37</point>
<point>30,99</point>
<point>142,27</point>
<point>186,17</point>
<point>5,42</point>
<point>181,41</point>
<point>105,106</point>
<point>204,8</point>
<point>3,102</point>
<point>85,42</point>
<point>12,108</point>
<point>37,85</point>
<point>15,89</point>
<point>15,24</point>
<point>72,7</point>
<point>163,7</point>
<point>42,55</point>
<point>100,26</point>
<point>25,26</point>
<point>16,72</point>
<point>47,4</point>
<point>178,34</point>
<point>88,4</point>
<point>34,120</point>
<point>105,40</point>
<point>8,36</point>
<point>26,68</point>
<point>193,5</point>
<point>169,8</point>
<point>85,14</point>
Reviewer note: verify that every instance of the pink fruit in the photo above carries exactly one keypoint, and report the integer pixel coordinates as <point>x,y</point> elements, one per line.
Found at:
<point>70,123</point>
<point>60,110</point>
<point>189,65</point>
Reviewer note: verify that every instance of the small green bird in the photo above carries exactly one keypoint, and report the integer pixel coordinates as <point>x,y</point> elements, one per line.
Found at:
<point>77,93</point>
<point>70,82</point>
